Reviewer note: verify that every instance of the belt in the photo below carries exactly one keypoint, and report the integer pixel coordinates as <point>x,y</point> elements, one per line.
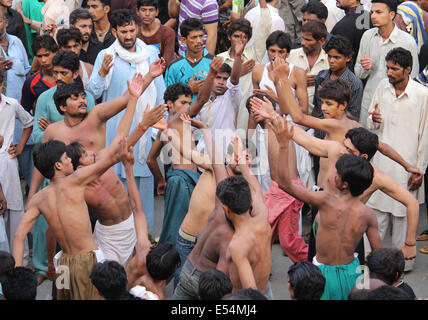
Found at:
<point>187,236</point>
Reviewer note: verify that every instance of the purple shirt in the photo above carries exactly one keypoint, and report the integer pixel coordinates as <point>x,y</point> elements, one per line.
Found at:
<point>205,10</point>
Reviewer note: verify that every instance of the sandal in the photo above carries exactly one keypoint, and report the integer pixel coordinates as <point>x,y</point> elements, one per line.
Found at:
<point>424,249</point>
<point>423,236</point>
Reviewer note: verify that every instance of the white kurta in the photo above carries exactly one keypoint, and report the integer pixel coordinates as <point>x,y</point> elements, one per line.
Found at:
<point>405,128</point>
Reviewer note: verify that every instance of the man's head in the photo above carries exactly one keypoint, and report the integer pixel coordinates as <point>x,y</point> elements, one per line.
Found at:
<point>147,10</point>
<point>353,174</point>
<point>335,96</point>
<point>239,30</point>
<point>305,281</point>
<point>314,10</point>
<point>51,157</point>
<point>69,39</point>
<point>4,22</point>
<point>245,294</point>
<point>6,3</point>
<point>124,28</point>
<point>346,4</point>
<point>313,36</point>
<point>220,81</point>
<point>235,195</point>
<point>177,97</point>
<point>79,156</point>
<point>192,34</point>
<point>387,293</point>
<point>339,51</point>
<point>361,142</point>
<point>82,19</point>
<point>70,100</point>
<point>44,49</point>
<point>109,277</point>
<point>386,264</point>
<point>399,64</point>
<point>383,12</point>
<point>162,261</point>
<point>278,45</point>
<point>423,4</point>
<point>99,9</point>
<point>214,285</point>
<point>19,284</point>
<point>66,66</point>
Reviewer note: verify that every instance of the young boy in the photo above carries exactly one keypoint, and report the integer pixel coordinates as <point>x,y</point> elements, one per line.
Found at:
<point>305,281</point>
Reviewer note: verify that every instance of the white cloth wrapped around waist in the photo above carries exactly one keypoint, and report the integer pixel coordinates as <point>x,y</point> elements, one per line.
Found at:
<point>10,182</point>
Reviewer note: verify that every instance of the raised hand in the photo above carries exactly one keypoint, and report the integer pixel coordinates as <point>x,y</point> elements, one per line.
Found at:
<point>247,67</point>
<point>239,48</point>
<point>157,68</point>
<point>153,116</point>
<point>135,88</point>
<point>262,108</point>
<point>268,91</point>
<point>106,65</point>
<point>282,130</point>
<point>376,114</point>
<point>195,85</point>
<point>281,68</point>
<point>216,64</point>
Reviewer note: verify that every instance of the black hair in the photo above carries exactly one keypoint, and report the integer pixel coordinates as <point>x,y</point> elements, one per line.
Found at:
<point>358,294</point>
<point>19,284</point>
<point>44,42</point>
<point>364,140</point>
<point>234,192</point>
<point>391,4</point>
<point>386,264</point>
<point>355,170</point>
<point>317,8</point>
<point>190,24</point>
<point>64,36</point>
<point>175,90</point>
<point>337,90</point>
<point>280,38</point>
<point>387,293</point>
<point>147,3</point>
<point>79,14</point>
<point>7,262</point>
<point>123,17</point>
<point>109,277</point>
<point>400,56</point>
<point>245,294</point>
<point>45,155</point>
<point>225,68</point>
<point>260,96</point>
<point>242,25</point>
<point>341,44</point>
<point>162,261</point>
<point>306,280</point>
<point>104,2</point>
<point>74,152</point>
<point>67,59</point>
<point>213,285</point>
<point>316,28</point>
<point>64,92</point>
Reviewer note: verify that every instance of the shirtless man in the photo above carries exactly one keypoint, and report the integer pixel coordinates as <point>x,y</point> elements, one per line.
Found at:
<point>107,197</point>
<point>343,217</point>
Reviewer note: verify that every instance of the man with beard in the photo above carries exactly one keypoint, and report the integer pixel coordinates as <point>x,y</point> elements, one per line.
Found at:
<point>82,19</point>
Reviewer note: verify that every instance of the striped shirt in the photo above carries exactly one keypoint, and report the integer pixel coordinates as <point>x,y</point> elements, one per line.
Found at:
<point>205,10</point>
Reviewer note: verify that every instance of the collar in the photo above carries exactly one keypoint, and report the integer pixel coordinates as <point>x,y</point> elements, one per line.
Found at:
<point>355,10</point>
<point>407,91</point>
<point>229,57</point>
<point>322,56</point>
<point>393,37</point>
<point>203,55</point>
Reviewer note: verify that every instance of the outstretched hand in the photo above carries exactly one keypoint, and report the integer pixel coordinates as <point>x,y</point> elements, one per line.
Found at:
<point>282,129</point>
<point>196,123</point>
<point>262,108</point>
<point>216,64</point>
<point>135,88</point>
<point>153,116</point>
<point>157,68</point>
<point>281,68</point>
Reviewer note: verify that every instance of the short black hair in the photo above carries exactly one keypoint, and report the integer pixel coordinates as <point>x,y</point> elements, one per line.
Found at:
<point>175,90</point>
<point>162,261</point>
<point>341,44</point>
<point>45,155</point>
<point>280,38</point>
<point>74,152</point>
<point>386,264</point>
<point>364,140</point>
<point>242,25</point>
<point>225,68</point>
<point>306,280</point>
<point>337,90</point>
<point>391,4</point>
<point>245,294</point>
<point>387,293</point>
<point>44,42</point>
<point>67,59</point>
<point>355,170</point>
<point>316,28</point>
<point>64,36</point>
<point>123,17</point>
<point>190,24</point>
<point>147,3</point>
<point>317,8</point>
<point>234,192</point>
<point>400,56</point>
<point>260,96</point>
<point>19,283</point>
<point>7,262</point>
<point>64,92</point>
<point>104,2</point>
<point>109,277</point>
<point>80,14</point>
<point>213,285</point>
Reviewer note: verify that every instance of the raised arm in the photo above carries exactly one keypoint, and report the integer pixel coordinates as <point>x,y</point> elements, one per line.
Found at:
<point>237,64</point>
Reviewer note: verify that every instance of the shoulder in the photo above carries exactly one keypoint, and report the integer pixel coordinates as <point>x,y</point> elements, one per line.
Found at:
<point>10,101</point>
<point>176,63</point>
<point>165,30</point>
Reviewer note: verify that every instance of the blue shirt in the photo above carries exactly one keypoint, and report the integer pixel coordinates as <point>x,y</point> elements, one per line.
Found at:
<point>181,70</point>
<point>46,108</point>
<point>123,71</point>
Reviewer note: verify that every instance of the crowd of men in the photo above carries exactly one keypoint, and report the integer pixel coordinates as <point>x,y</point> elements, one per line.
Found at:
<point>245,116</point>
